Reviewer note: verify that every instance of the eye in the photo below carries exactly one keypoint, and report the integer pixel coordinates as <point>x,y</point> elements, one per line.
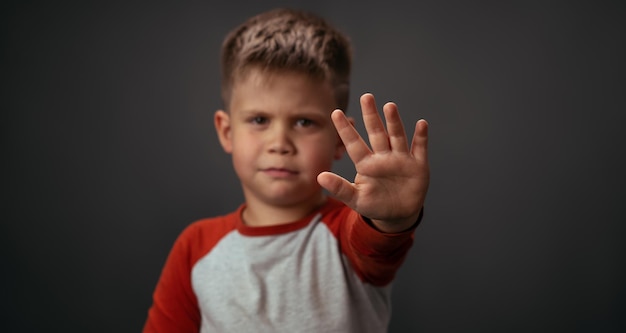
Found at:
<point>305,122</point>
<point>258,120</point>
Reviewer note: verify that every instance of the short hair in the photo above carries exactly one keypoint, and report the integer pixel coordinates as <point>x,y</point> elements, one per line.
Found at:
<point>288,39</point>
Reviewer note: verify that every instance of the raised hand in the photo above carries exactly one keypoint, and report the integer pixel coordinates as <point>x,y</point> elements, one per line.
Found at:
<point>392,179</point>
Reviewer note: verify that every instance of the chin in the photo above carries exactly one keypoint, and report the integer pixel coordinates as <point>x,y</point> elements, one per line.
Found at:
<point>292,198</point>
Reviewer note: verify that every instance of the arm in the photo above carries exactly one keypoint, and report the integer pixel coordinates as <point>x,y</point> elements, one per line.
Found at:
<point>375,256</point>
<point>175,307</point>
<point>392,179</point>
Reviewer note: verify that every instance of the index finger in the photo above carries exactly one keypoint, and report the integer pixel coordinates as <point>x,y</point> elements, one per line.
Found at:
<point>356,148</point>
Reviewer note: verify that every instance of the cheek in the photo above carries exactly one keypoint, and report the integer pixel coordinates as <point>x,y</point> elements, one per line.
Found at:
<point>321,153</point>
<point>244,149</point>
<point>244,140</point>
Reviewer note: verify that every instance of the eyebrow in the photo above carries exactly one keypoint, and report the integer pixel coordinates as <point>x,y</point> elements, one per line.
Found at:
<point>291,114</point>
<point>251,112</point>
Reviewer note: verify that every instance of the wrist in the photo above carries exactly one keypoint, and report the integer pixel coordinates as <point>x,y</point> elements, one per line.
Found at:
<point>397,226</point>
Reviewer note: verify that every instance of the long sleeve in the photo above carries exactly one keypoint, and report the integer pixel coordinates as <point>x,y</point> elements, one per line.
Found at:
<point>374,255</point>
<point>175,307</point>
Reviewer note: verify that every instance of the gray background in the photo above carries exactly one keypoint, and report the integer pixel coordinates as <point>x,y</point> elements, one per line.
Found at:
<point>108,152</point>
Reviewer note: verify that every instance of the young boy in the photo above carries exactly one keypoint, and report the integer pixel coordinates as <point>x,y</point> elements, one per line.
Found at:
<point>291,259</point>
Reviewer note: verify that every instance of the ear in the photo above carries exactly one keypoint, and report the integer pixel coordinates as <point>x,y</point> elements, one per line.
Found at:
<point>340,148</point>
<point>224,132</point>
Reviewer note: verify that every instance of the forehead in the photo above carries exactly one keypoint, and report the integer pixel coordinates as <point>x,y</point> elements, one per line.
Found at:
<point>272,90</point>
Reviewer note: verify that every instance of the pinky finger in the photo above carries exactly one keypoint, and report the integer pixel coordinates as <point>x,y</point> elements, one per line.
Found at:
<point>419,145</point>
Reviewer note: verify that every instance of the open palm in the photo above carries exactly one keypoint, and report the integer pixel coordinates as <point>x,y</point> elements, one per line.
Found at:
<point>392,178</point>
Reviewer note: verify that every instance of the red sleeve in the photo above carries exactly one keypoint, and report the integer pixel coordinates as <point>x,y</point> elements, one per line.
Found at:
<point>374,255</point>
<point>175,307</point>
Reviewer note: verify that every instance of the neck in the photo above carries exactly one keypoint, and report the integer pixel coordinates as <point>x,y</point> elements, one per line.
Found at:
<point>261,214</point>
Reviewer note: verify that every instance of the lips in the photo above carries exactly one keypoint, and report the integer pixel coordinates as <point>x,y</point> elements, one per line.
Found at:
<point>277,172</point>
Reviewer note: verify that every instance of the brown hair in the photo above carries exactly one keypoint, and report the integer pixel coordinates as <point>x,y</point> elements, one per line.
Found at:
<point>287,39</point>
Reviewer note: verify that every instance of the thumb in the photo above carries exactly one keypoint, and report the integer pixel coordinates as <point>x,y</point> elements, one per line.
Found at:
<point>339,187</point>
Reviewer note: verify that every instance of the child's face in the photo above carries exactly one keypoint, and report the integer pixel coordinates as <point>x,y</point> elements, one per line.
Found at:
<point>280,135</point>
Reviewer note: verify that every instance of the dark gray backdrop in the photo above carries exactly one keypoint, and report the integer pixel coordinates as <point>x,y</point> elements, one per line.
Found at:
<point>108,152</point>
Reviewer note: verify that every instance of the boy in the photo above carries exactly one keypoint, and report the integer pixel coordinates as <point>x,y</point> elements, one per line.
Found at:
<point>291,259</point>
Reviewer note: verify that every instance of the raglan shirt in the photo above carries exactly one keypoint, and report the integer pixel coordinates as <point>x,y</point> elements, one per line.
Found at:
<point>328,272</point>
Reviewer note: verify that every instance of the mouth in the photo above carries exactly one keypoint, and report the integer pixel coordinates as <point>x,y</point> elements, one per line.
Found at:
<point>279,172</point>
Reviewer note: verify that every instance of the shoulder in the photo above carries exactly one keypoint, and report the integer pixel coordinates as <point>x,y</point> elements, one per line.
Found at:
<point>211,225</point>
<point>200,237</point>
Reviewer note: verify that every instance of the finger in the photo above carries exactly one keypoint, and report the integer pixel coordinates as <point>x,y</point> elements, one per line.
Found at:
<point>356,148</point>
<point>373,124</point>
<point>340,188</point>
<point>395,128</point>
<point>419,145</point>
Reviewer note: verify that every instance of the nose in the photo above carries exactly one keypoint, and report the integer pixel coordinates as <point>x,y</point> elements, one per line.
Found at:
<point>280,141</point>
